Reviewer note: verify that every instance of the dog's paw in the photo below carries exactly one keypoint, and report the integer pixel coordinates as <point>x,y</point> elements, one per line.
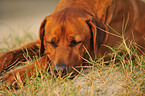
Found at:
<point>10,81</point>
<point>6,59</point>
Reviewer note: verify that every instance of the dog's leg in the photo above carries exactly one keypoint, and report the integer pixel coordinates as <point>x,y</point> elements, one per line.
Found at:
<point>14,77</point>
<point>14,56</point>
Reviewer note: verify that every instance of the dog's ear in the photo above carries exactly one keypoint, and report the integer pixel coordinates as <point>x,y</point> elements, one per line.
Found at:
<point>41,36</point>
<point>98,35</point>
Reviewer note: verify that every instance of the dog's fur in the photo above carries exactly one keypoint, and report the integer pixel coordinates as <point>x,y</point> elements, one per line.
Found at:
<point>76,24</point>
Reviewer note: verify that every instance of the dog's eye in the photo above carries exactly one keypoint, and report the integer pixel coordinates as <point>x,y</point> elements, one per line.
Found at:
<point>52,43</point>
<point>74,43</point>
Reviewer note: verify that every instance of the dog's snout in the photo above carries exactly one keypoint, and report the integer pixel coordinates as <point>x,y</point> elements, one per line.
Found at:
<point>60,69</point>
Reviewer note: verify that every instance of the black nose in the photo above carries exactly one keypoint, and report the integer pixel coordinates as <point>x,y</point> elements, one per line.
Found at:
<point>60,69</point>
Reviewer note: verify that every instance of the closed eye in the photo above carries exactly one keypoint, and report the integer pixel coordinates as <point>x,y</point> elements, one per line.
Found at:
<point>52,43</point>
<point>74,43</point>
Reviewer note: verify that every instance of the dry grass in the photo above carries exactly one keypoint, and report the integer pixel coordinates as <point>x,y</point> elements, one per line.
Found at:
<point>123,75</point>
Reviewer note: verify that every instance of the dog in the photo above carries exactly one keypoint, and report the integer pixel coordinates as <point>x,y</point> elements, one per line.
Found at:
<point>73,27</point>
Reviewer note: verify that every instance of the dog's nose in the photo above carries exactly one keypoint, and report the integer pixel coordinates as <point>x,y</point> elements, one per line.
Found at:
<point>60,69</point>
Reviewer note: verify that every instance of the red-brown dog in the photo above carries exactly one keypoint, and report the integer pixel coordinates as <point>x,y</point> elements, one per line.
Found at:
<point>73,25</point>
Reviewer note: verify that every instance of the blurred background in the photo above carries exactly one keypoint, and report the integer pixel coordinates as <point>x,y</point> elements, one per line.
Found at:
<point>23,15</point>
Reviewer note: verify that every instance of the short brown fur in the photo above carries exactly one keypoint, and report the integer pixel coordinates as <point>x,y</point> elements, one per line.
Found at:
<point>72,26</point>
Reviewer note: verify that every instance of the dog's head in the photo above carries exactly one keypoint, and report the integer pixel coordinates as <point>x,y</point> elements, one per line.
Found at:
<point>65,34</point>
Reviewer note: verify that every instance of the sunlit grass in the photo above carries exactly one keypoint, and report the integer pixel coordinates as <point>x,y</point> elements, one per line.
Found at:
<point>123,74</point>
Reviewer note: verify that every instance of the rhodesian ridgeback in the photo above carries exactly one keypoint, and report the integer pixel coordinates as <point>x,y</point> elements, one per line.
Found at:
<point>73,27</point>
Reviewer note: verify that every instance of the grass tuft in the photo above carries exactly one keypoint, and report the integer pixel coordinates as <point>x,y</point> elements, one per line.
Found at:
<point>123,75</point>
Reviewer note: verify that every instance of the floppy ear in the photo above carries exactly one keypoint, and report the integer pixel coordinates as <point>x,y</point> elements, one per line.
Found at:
<point>41,36</point>
<point>99,36</point>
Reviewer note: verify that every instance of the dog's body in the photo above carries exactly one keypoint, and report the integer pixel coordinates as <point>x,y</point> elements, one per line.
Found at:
<point>76,24</point>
